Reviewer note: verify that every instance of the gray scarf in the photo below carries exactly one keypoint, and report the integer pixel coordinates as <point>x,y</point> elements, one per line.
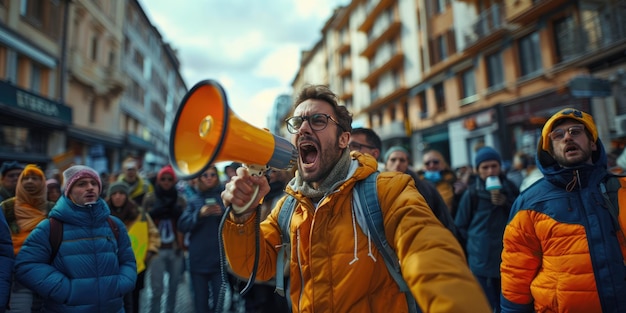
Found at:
<point>337,176</point>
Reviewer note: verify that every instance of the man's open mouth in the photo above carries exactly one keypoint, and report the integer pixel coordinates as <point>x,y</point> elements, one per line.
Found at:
<point>308,152</point>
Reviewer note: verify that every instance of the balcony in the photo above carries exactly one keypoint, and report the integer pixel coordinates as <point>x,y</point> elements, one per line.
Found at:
<point>395,129</point>
<point>594,38</point>
<point>372,14</point>
<point>534,10</point>
<point>488,28</point>
<point>391,32</point>
<point>396,61</point>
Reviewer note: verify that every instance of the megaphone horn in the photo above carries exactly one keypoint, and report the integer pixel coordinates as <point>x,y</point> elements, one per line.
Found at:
<point>205,131</point>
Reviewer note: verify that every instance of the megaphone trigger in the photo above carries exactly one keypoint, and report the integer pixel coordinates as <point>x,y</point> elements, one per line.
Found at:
<point>254,170</point>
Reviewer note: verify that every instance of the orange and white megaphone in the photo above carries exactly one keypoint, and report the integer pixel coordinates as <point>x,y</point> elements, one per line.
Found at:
<point>205,131</point>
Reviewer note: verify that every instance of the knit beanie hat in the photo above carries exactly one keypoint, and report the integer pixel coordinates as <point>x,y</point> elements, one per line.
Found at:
<point>167,169</point>
<point>76,172</point>
<point>486,154</point>
<point>119,186</point>
<point>52,183</point>
<point>10,165</point>
<point>395,149</point>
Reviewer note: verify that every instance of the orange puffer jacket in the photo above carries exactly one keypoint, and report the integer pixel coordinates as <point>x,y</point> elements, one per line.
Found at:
<point>330,268</point>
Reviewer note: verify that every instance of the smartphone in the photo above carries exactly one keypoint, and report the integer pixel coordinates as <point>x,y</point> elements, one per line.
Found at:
<point>210,201</point>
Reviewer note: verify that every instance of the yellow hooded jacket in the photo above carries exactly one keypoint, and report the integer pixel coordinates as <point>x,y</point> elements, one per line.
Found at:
<point>331,267</point>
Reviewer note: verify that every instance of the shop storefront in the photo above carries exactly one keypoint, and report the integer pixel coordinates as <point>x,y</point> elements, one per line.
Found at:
<point>32,127</point>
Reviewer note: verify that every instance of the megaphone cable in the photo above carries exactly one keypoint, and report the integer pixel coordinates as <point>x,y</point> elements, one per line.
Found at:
<point>223,263</point>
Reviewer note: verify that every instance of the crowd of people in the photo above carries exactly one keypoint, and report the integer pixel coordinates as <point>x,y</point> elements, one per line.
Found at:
<point>545,235</point>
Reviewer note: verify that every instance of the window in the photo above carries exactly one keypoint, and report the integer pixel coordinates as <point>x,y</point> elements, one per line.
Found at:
<point>568,44</point>
<point>35,78</point>
<point>423,105</point>
<point>468,81</point>
<point>94,48</point>
<point>442,48</point>
<point>440,97</point>
<point>530,54</point>
<point>495,70</point>
<point>43,15</point>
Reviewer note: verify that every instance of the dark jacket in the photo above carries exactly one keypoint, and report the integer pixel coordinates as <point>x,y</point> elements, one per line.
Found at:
<point>6,263</point>
<point>203,232</point>
<point>91,271</point>
<point>435,202</point>
<point>481,226</point>
<point>165,208</point>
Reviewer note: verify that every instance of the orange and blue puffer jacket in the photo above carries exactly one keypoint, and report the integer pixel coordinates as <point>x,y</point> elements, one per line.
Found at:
<point>561,252</point>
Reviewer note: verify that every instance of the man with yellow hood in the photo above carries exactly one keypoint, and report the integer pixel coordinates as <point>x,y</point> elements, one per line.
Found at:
<point>564,248</point>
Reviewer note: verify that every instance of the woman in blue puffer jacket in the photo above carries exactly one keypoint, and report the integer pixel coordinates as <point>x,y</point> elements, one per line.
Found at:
<point>94,266</point>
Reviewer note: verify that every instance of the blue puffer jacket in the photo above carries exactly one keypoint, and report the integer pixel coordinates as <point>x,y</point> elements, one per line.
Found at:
<point>6,263</point>
<point>92,270</point>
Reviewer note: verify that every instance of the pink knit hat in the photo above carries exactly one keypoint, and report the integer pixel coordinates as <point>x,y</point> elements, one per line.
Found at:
<point>76,172</point>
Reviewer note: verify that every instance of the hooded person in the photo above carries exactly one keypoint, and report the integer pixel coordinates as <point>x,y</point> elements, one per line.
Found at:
<point>567,225</point>
<point>93,266</point>
<point>54,189</point>
<point>23,212</point>
<point>142,231</point>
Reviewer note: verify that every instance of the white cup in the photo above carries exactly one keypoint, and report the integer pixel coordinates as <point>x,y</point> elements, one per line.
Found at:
<point>493,183</point>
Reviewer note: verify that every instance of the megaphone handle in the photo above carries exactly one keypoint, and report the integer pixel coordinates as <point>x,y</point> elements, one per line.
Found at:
<point>254,170</point>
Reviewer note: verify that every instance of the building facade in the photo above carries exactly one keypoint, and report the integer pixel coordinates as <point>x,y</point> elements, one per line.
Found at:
<point>453,75</point>
<point>85,82</point>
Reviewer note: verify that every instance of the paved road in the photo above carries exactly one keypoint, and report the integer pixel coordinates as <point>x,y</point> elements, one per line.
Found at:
<point>184,303</point>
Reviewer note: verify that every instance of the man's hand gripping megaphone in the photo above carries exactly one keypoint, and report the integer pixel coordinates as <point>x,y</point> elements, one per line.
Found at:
<point>248,187</point>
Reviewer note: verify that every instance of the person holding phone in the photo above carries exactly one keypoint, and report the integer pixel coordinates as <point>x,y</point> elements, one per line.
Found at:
<point>201,220</point>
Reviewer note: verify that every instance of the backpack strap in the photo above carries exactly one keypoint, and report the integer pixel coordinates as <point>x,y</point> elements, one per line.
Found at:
<point>370,207</point>
<point>55,238</point>
<point>114,227</point>
<point>284,222</point>
<point>56,234</point>
<point>610,190</point>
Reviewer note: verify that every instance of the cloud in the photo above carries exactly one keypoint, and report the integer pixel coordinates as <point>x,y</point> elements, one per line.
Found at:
<point>251,47</point>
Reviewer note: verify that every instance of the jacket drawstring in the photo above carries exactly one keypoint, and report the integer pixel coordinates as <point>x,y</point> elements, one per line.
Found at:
<point>356,258</point>
<point>572,184</point>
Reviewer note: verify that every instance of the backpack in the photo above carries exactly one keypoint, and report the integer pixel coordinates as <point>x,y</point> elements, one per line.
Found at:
<point>367,205</point>
<point>56,234</point>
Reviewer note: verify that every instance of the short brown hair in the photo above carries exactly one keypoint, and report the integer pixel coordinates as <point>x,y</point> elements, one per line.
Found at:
<point>323,93</point>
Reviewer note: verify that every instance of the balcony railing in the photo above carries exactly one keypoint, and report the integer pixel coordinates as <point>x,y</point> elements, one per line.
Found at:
<point>488,22</point>
<point>596,32</point>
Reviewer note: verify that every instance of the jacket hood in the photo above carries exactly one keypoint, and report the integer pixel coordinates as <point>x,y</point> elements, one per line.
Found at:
<point>548,165</point>
<point>69,212</point>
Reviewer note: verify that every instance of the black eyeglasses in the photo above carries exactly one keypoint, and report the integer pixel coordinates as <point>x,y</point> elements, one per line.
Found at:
<point>576,113</point>
<point>355,146</point>
<point>166,179</point>
<point>574,131</point>
<point>433,162</point>
<point>207,175</point>
<point>317,121</point>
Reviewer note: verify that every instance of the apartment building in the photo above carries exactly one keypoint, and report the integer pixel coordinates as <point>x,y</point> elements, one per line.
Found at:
<point>451,75</point>
<point>34,114</point>
<point>155,88</point>
<point>70,79</point>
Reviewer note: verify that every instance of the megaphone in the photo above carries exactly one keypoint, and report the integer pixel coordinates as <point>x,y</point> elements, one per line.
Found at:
<point>205,131</point>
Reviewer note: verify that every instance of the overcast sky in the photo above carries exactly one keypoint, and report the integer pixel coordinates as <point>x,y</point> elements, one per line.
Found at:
<point>251,47</point>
